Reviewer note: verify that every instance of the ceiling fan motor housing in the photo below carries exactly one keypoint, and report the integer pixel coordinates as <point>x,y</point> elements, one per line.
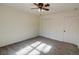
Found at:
<point>40,5</point>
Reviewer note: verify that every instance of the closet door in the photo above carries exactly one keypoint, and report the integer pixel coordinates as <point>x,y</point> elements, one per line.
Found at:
<point>70,29</point>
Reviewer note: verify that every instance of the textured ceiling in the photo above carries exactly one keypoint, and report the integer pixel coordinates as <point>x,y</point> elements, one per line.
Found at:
<point>54,7</point>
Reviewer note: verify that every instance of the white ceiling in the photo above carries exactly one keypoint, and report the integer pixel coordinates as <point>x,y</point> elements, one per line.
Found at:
<point>54,7</point>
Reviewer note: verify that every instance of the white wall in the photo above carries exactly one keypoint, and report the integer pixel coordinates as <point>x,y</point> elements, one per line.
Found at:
<point>52,26</point>
<point>16,25</point>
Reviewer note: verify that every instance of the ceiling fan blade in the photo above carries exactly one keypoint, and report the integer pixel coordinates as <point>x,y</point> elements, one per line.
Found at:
<point>35,4</point>
<point>46,9</point>
<point>46,5</point>
<point>34,8</point>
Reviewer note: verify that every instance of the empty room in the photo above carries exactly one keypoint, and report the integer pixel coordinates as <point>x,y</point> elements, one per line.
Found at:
<point>39,28</point>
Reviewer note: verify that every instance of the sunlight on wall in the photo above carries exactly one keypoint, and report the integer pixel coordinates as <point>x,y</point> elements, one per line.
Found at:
<point>35,49</point>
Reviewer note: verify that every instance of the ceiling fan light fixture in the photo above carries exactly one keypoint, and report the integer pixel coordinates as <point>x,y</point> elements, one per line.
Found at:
<point>40,10</point>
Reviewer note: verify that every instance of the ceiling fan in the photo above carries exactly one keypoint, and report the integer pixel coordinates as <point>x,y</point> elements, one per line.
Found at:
<point>41,6</point>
